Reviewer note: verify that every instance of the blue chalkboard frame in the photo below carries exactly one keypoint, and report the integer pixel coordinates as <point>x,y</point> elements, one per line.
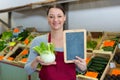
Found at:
<point>74,44</point>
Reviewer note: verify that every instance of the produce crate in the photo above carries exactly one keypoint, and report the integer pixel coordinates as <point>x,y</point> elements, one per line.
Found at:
<point>8,48</point>
<point>116,57</point>
<point>101,74</point>
<point>28,40</point>
<point>93,40</point>
<point>114,72</point>
<point>2,47</point>
<point>108,38</point>
<point>23,56</point>
<point>31,29</point>
<point>96,35</point>
<point>21,36</point>
<point>10,57</point>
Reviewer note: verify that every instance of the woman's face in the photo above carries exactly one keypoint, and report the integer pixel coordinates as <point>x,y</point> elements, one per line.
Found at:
<point>56,18</point>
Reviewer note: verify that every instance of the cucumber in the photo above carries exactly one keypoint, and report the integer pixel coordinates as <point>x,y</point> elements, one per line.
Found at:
<point>98,58</point>
<point>100,62</point>
<point>90,62</point>
<point>97,68</point>
<point>91,69</point>
<point>98,65</point>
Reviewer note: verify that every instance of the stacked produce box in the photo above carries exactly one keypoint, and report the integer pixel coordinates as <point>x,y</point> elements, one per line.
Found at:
<point>93,40</point>
<point>100,57</point>
<point>14,45</point>
<point>113,72</point>
<point>108,43</point>
<point>101,50</point>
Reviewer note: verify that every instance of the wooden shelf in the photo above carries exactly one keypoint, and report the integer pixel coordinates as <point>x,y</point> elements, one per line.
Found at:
<point>36,5</point>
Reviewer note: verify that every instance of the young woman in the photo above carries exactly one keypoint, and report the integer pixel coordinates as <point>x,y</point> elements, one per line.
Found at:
<point>57,70</point>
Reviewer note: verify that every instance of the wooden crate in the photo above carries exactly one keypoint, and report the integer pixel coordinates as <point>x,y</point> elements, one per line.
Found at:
<point>83,77</point>
<point>117,66</point>
<point>19,58</point>
<point>95,36</point>
<point>107,36</point>
<point>12,52</point>
<point>2,51</point>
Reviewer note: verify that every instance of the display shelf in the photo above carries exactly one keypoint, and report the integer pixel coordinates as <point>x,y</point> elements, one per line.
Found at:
<point>100,76</point>
<point>113,69</point>
<point>94,40</point>
<point>107,39</point>
<point>36,5</point>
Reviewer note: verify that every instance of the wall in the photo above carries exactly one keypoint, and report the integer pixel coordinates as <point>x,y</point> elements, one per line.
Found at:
<point>4,17</point>
<point>31,18</point>
<point>93,15</point>
<point>24,18</point>
<point>98,15</point>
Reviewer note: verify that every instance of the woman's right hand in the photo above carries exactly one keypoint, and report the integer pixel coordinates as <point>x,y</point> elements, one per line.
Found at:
<point>39,60</point>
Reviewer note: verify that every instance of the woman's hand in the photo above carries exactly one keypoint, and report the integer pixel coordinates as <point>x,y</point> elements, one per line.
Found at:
<point>81,63</point>
<point>39,60</point>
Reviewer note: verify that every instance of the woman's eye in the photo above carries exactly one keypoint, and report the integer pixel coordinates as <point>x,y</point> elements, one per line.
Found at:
<point>59,16</point>
<point>51,16</point>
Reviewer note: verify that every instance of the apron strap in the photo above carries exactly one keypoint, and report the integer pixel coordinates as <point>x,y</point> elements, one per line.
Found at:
<point>49,37</point>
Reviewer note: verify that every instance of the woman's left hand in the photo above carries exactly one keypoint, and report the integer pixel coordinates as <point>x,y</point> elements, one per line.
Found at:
<point>81,63</point>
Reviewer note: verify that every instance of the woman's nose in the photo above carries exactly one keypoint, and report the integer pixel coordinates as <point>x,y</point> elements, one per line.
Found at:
<point>55,18</point>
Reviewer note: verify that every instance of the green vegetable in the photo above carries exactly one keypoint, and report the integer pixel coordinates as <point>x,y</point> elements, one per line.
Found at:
<point>108,48</point>
<point>97,64</point>
<point>91,44</point>
<point>23,35</point>
<point>44,47</point>
<point>46,51</point>
<point>6,35</point>
<point>2,45</point>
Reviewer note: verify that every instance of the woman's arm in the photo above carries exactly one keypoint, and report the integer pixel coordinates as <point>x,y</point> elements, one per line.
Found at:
<point>31,58</point>
<point>32,62</point>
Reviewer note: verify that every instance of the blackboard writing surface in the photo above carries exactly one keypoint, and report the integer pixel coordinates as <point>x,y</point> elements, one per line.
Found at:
<point>74,44</point>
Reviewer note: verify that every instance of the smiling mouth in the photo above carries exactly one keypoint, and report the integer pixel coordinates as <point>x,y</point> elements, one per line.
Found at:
<point>55,24</point>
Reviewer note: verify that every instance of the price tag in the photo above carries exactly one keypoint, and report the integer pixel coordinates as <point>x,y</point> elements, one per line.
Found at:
<point>112,65</point>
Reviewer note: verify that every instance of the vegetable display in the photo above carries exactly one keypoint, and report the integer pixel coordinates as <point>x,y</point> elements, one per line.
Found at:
<point>7,35</point>
<point>109,45</point>
<point>117,57</point>
<point>23,35</point>
<point>16,53</point>
<point>97,64</point>
<point>46,52</point>
<point>112,77</point>
<point>2,45</point>
<point>91,44</point>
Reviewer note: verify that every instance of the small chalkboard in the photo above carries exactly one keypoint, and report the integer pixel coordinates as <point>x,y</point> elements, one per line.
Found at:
<point>74,44</point>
